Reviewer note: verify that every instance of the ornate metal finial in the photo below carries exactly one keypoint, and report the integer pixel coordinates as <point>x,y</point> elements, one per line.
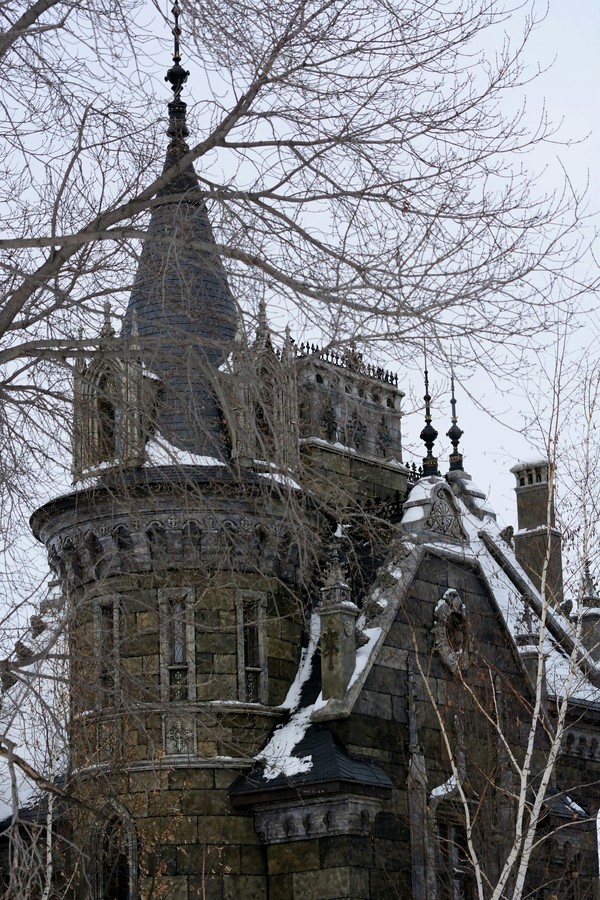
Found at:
<point>176,75</point>
<point>429,434</point>
<point>454,433</point>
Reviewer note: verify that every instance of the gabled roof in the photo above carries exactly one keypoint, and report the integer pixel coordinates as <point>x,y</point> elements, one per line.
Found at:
<point>302,751</point>
<point>306,758</point>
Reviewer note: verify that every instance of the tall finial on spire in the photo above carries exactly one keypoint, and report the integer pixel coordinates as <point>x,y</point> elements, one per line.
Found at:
<point>429,434</point>
<point>454,433</point>
<point>176,75</point>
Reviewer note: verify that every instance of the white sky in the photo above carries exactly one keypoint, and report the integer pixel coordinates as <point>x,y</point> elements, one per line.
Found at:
<point>569,42</point>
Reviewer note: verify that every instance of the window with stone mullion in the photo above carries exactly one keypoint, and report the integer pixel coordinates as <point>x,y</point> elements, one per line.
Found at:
<point>178,667</point>
<point>177,644</point>
<point>252,656</point>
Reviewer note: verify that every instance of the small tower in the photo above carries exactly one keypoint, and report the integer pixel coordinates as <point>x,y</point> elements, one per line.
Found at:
<point>349,419</point>
<point>538,541</point>
<point>181,577</point>
<point>338,614</point>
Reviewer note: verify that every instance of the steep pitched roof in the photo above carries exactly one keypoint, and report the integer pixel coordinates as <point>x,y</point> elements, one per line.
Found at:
<point>181,306</point>
<point>435,522</point>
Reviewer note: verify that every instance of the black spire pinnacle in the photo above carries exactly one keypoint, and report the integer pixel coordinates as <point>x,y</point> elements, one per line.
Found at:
<point>177,130</point>
<point>176,75</point>
<point>185,314</point>
<point>429,434</point>
<point>454,433</point>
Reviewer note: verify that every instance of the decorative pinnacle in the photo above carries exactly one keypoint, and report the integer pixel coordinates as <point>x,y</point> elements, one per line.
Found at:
<point>263,332</point>
<point>429,434</point>
<point>588,591</point>
<point>454,433</point>
<point>335,590</point>
<point>107,330</point>
<point>176,75</point>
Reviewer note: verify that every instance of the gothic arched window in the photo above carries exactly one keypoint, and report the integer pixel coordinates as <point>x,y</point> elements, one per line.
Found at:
<point>177,643</point>
<point>117,863</point>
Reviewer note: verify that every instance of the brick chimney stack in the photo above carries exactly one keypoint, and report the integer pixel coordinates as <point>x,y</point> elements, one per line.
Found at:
<point>536,528</point>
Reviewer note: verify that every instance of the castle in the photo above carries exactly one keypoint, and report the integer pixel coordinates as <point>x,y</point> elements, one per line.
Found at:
<point>300,668</point>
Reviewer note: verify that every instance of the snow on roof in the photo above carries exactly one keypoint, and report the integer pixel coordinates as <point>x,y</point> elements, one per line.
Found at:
<point>159,452</point>
<point>562,672</point>
<point>278,478</point>
<point>278,755</point>
<point>363,653</point>
<point>445,789</point>
<point>535,463</point>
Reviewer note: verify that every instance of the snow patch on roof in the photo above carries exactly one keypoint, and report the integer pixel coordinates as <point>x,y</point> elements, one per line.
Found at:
<point>363,653</point>
<point>575,807</point>
<point>562,673</point>
<point>414,514</point>
<point>443,790</point>
<point>278,754</point>
<point>159,452</point>
<point>278,478</point>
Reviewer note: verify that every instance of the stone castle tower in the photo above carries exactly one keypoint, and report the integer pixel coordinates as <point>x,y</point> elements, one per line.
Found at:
<point>189,556</point>
<point>276,629</point>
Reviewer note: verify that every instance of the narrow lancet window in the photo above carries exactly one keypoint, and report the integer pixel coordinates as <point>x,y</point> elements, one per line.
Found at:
<point>178,662</point>
<point>107,628</point>
<point>252,662</point>
<point>177,644</point>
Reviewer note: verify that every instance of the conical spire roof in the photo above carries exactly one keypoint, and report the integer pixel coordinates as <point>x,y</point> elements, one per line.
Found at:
<point>185,314</point>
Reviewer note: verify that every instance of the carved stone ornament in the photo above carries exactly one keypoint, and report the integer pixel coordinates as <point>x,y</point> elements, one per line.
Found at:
<point>179,738</point>
<point>443,518</point>
<point>280,823</point>
<point>371,608</point>
<point>330,645</point>
<point>360,638</point>
<point>451,639</point>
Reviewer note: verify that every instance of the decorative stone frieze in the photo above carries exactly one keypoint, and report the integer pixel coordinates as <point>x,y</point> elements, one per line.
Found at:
<point>280,823</point>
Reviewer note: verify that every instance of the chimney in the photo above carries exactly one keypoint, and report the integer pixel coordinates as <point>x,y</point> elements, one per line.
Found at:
<point>537,532</point>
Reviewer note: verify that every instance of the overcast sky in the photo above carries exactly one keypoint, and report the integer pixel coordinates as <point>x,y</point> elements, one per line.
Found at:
<point>569,42</point>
